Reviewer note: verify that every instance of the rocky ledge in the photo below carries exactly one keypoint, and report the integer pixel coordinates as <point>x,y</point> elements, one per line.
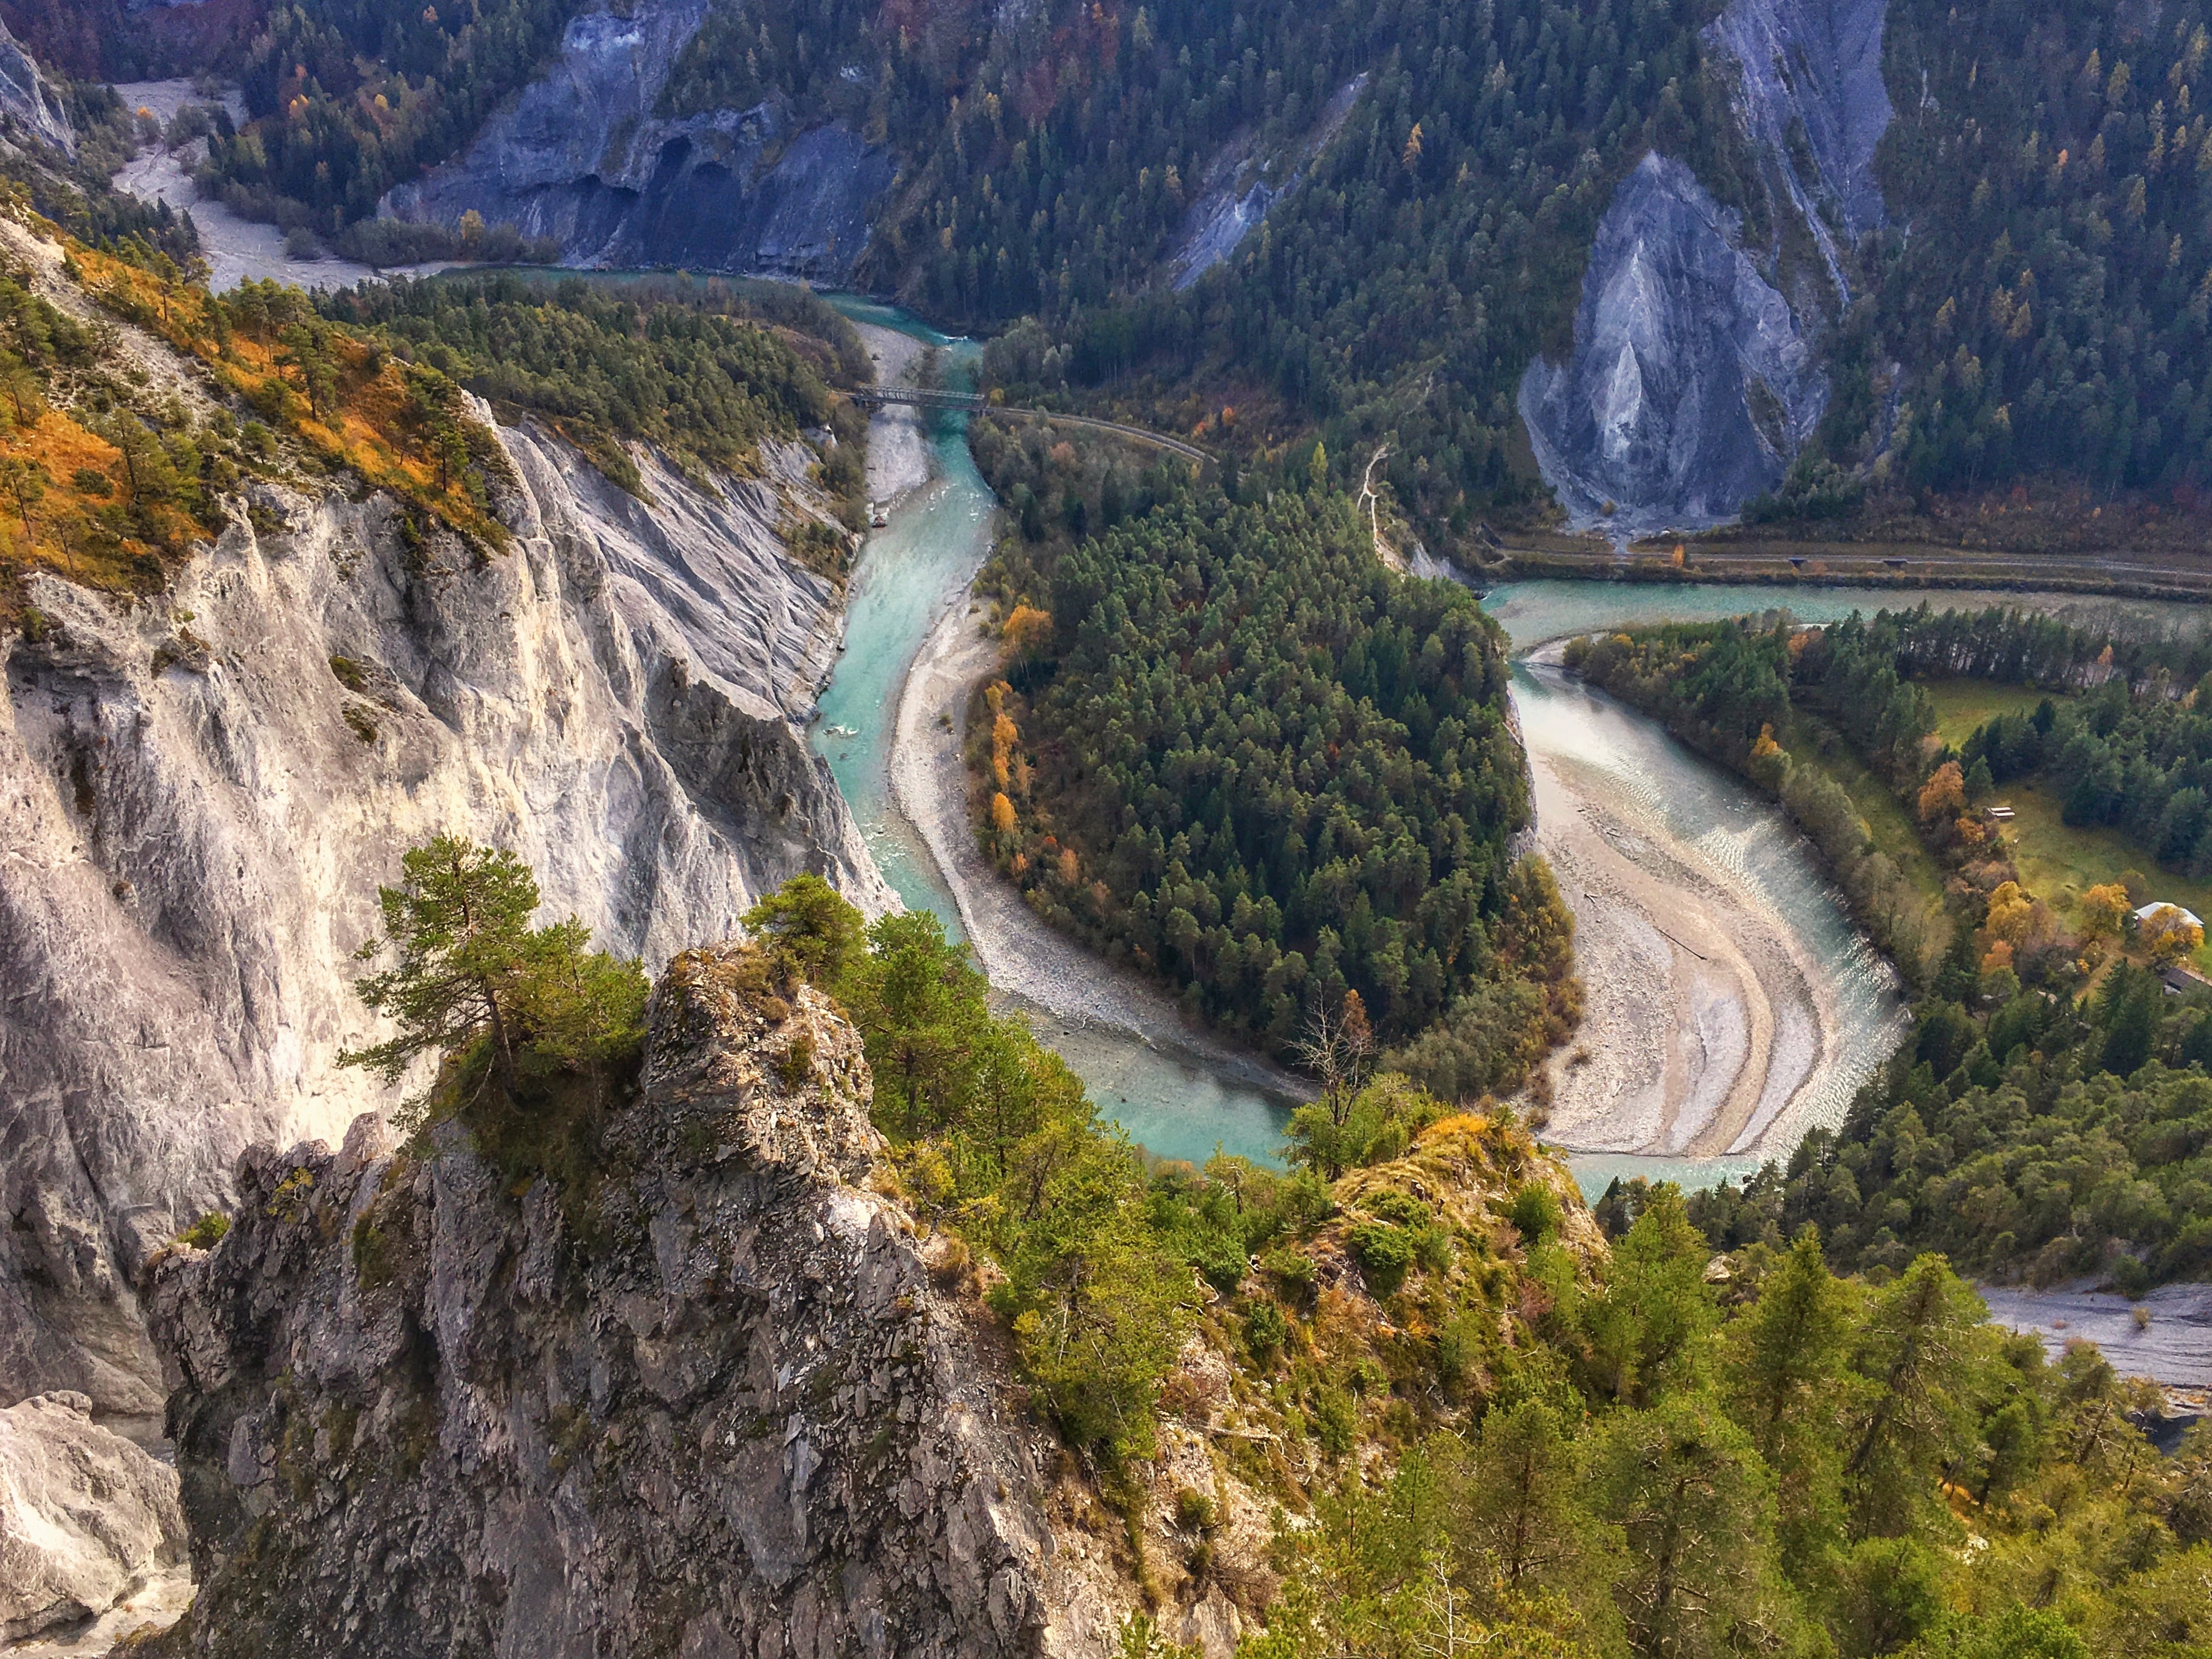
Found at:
<point>718,1405</point>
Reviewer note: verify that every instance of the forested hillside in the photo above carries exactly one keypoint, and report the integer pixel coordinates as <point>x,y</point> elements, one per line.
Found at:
<point>1433,248</point>
<point>2052,1115</point>
<point>352,96</point>
<point>2050,303</point>
<point>111,476</point>
<point>1240,752</point>
<point>1498,1434</point>
<point>702,372</point>
<point>2034,314</point>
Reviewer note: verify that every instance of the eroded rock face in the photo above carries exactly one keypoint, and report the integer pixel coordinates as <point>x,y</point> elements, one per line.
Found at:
<point>420,1413</point>
<point>85,1516</point>
<point>1235,195</point>
<point>31,105</point>
<point>1693,382</point>
<point>1690,387</point>
<point>1813,67</point>
<point>200,794</point>
<point>582,157</point>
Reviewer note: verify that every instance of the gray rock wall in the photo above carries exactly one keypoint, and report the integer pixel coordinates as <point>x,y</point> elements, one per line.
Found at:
<point>1693,381</point>
<point>1814,68</point>
<point>86,1517</point>
<point>581,157</point>
<point>419,1414</point>
<point>30,104</point>
<point>197,812</point>
<point>1690,386</point>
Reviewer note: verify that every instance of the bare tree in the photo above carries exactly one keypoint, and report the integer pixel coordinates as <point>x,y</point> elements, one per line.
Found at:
<point>1339,1049</point>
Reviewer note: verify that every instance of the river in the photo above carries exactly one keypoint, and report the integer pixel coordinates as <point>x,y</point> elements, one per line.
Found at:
<point>1176,1093</point>
<point>1731,1004</point>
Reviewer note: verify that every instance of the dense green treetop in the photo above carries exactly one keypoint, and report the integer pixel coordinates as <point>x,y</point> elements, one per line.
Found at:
<point>701,372</point>
<point>1269,761</point>
<point>2048,284</point>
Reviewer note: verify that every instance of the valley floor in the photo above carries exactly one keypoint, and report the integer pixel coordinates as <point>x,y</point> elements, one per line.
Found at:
<point>1745,557</point>
<point>2173,1345</point>
<point>237,250</point>
<point>1706,1015</point>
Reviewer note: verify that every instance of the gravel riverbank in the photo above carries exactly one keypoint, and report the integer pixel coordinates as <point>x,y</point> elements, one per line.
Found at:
<point>898,448</point>
<point>1715,1021</point>
<point>1024,956</point>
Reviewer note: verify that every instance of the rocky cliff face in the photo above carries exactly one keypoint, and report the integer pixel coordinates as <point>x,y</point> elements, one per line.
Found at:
<point>199,795</point>
<point>1693,382</point>
<point>30,104</point>
<point>420,1411</point>
<point>1691,385</point>
<point>1810,94</point>
<point>581,157</point>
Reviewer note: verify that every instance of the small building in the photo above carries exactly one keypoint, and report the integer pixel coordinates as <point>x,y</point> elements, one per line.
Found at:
<point>1999,815</point>
<point>2178,978</point>
<point>2156,911</point>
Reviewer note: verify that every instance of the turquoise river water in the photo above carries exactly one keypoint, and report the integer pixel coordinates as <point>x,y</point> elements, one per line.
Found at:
<point>1170,1102</point>
<point>1174,1103</point>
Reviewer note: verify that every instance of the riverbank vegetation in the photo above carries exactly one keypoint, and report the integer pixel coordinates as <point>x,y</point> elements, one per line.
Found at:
<point>1735,693</point>
<point>1234,750</point>
<point>2051,1113</point>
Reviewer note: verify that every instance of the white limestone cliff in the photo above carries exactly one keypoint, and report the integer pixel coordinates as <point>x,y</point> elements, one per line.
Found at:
<point>200,794</point>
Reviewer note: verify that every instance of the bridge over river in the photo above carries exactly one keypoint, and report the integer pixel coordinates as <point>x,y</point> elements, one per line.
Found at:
<point>973,403</point>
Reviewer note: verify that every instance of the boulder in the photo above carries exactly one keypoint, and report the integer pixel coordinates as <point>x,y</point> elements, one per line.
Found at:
<point>86,1516</point>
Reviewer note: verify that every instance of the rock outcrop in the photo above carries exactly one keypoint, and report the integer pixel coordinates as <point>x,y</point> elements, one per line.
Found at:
<point>1812,69</point>
<point>1234,194</point>
<point>582,156</point>
<point>30,104</point>
<point>1690,387</point>
<point>1694,380</point>
<point>85,1516</point>
<point>717,1407</point>
<point>200,794</point>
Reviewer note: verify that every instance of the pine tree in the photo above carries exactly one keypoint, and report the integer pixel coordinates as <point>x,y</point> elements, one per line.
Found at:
<point>473,976</point>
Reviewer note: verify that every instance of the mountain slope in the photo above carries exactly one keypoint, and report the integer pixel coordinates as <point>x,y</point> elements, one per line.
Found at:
<point>754,1365</point>
<point>209,769</point>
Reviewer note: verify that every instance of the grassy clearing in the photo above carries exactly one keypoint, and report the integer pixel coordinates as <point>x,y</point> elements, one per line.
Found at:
<point>1810,739</point>
<point>1963,705</point>
<point>2059,862</point>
